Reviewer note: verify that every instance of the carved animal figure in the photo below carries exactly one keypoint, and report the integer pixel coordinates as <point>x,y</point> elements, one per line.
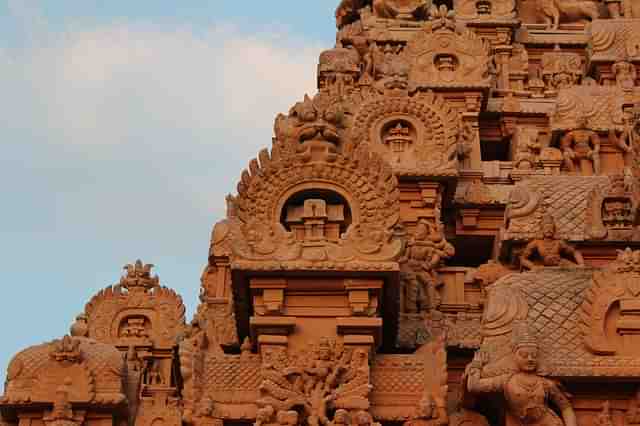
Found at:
<point>572,10</point>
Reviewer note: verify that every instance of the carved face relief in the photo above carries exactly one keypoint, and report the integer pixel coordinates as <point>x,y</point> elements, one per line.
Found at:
<point>526,358</point>
<point>548,230</point>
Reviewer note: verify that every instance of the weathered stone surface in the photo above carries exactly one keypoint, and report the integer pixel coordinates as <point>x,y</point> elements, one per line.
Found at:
<point>447,230</point>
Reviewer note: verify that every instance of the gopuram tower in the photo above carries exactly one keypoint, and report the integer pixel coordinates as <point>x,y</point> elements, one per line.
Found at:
<point>446,233</point>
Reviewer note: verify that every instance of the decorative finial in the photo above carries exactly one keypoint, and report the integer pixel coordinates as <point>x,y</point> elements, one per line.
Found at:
<point>138,276</point>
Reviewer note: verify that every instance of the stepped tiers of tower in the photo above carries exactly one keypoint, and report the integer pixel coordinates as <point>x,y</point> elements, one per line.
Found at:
<point>446,233</point>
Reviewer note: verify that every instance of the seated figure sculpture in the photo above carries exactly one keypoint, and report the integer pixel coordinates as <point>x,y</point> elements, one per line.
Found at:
<point>581,147</point>
<point>550,249</point>
<point>526,393</point>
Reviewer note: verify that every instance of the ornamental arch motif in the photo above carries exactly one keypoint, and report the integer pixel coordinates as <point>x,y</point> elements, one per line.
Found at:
<point>432,145</point>
<point>253,230</point>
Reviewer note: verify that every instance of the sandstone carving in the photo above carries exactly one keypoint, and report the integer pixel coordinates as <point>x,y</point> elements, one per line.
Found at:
<point>399,9</point>
<point>442,234</point>
<point>600,106</point>
<point>424,253</point>
<point>618,284</point>
<point>561,70</point>
<point>314,383</point>
<point>581,150</point>
<point>257,236</point>
<point>614,211</point>
<point>526,393</point>
<point>552,11</point>
<point>418,135</point>
<point>136,311</point>
<point>445,55</point>
<point>550,250</point>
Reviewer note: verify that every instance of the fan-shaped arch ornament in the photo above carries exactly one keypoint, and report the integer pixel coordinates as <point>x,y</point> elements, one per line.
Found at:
<point>136,311</point>
<point>255,234</point>
<point>431,127</point>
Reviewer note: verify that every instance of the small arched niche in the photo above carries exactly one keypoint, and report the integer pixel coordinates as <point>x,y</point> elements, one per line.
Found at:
<point>134,327</point>
<point>316,215</point>
<point>398,135</point>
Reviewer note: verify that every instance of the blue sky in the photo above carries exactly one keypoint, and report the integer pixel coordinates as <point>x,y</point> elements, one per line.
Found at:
<point>123,125</point>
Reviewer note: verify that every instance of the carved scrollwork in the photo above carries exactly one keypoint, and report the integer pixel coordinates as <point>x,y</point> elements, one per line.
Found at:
<point>432,131</point>
<point>358,179</point>
<point>445,54</point>
<point>136,309</point>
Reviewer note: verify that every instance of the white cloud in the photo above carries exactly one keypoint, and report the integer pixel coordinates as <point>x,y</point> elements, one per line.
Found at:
<point>121,142</point>
<point>145,92</point>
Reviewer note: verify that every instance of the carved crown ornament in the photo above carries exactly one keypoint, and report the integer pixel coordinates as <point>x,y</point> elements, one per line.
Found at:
<point>312,208</point>
<point>137,311</point>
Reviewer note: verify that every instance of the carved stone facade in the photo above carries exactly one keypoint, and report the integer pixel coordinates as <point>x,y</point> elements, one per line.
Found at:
<point>446,233</point>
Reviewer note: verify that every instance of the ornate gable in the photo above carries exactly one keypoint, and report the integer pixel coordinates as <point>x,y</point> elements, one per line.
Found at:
<point>136,312</point>
<point>445,54</point>
<point>418,135</point>
<point>312,208</point>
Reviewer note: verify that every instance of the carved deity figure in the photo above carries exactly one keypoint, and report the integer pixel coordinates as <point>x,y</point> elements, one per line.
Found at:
<point>550,249</point>
<point>424,253</point>
<point>527,394</point>
<point>400,9</point>
<point>628,140</point>
<point>626,74</point>
<point>632,416</point>
<point>581,149</point>
<point>313,387</point>
<point>528,148</point>
<point>428,413</point>
<point>287,418</point>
